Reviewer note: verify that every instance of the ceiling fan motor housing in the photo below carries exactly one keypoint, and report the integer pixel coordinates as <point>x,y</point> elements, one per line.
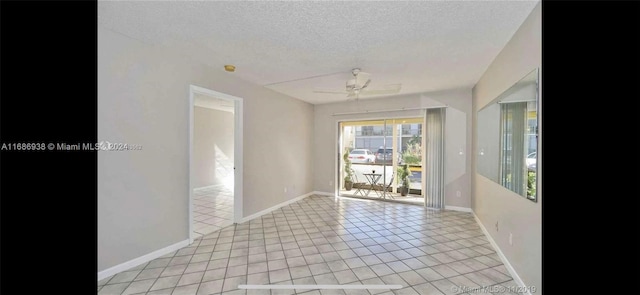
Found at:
<point>359,84</point>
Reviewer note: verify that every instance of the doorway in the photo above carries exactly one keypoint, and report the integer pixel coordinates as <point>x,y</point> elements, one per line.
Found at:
<point>215,161</point>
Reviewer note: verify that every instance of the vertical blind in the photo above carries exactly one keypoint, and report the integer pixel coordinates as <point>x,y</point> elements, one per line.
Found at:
<point>434,178</point>
<point>513,121</point>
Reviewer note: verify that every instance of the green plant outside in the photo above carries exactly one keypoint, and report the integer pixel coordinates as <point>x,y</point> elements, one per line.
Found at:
<point>411,159</point>
<point>531,185</point>
<point>348,173</point>
<point>413,152</point>
<point>403,175</point>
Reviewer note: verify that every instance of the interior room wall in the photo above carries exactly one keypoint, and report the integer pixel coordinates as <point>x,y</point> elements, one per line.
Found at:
<point>491,202</point>
<point>212,146</point>
<point>143,98</point>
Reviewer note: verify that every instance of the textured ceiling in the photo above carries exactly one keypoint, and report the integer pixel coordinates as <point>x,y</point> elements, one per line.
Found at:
<point>423,45</point>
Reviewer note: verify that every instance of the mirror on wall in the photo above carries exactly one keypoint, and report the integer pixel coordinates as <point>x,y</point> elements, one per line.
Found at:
<point>508,137</point>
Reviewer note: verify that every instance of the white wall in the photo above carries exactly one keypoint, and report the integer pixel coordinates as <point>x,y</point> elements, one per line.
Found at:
<point>143,98</point>
<point>457,136</point>
<point>212,146</point>
<point>491,202</point>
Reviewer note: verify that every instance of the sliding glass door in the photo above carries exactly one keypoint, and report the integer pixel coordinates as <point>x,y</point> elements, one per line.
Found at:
<point>410,154</point>
<point>375,154</point>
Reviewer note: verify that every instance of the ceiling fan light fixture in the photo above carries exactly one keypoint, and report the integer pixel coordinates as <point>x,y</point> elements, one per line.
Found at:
<point>351,83</point>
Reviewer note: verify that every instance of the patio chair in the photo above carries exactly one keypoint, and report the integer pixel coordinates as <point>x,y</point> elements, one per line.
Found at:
<point>385,188</point>
<point>389,188</point>
<point>358,185</point>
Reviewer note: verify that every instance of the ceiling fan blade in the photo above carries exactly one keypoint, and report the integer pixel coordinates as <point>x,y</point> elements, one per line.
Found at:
<point>379,92</point>
<point>362,78</point>
<point>366,84</point>
<point>306,78</point>
<point>330,91</point>
<point>389,89</point>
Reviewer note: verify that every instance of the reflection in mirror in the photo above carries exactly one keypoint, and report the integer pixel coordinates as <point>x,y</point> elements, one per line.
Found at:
<point>507,137</point>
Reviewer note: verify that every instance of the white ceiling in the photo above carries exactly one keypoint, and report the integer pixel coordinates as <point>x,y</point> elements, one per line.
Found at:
<point>424,45</point>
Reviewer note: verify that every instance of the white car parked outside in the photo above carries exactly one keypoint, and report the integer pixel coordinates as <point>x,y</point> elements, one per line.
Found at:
<point>362,156</point>
<point>531,161</point>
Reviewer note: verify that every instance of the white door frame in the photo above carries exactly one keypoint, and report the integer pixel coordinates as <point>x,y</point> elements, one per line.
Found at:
<point>237,151</point>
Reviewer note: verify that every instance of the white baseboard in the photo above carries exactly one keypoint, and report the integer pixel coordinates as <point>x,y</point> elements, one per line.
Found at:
<point>456,208</point>
<point>142,259</point>
<point>278,206</point>
<point>506,263</point>
<point>206,187</point>
<point>324,194</point>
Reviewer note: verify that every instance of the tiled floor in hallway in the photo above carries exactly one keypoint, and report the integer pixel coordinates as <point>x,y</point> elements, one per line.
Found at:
<point>320,240</point>
<point>212,209</point>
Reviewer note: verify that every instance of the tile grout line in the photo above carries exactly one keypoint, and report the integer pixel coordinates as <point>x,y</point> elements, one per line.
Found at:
<point>206,267</point>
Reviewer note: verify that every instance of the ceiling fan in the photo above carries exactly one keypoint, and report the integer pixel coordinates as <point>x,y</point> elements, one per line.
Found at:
<point>358,86</point>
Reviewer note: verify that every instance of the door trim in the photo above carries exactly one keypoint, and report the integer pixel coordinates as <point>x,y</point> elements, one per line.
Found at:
<point>237,151</point>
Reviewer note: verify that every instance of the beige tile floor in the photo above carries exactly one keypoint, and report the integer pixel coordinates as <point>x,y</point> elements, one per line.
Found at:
<point>212,209</point>
<point>322,240</point>
<point>388,197</point>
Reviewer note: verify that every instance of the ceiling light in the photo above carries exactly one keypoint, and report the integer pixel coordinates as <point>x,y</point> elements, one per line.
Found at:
<point>229,68</point>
